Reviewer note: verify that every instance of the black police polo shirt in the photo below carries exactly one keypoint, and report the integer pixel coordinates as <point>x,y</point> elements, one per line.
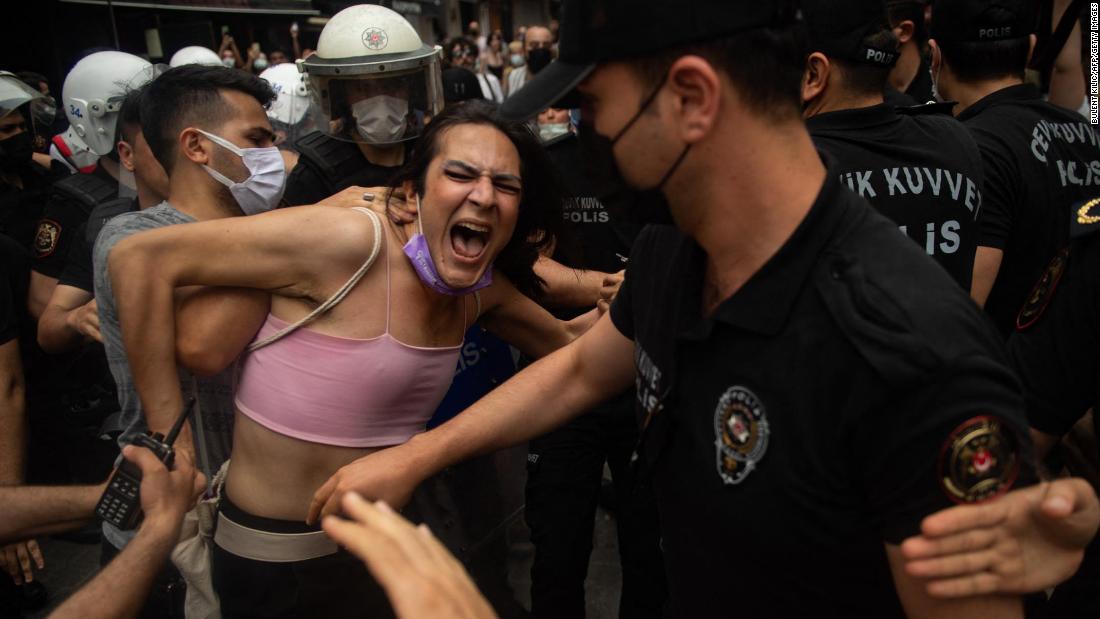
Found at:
<point>62,227</point>
<point>1039,159</point>
<point>847,390</point>
<point>306,185</point>
<point>922,171</point>
<point>1056,348</point>
<point>592,236</point>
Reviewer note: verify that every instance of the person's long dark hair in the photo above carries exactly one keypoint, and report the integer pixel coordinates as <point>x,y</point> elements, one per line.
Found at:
<point>540,204</point>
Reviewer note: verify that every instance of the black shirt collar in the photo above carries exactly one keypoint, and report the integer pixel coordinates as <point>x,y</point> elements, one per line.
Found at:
<point>1020,92</point>
<point>764,303</point>
<point>856,118</point>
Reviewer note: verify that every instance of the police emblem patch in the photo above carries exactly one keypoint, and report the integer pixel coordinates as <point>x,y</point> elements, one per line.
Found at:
<point>375,38</point>
<point>1043,291</point>
<point>979,460</point>
<point>45,239</point>
<point>740,434</point>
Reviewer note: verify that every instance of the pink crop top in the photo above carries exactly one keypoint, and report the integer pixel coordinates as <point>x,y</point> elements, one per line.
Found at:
<point>340,391</point>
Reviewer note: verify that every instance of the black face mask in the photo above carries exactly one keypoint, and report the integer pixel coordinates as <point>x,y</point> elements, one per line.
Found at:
<point>15,151</point>
<point>640,206</point>
<point>537,59</point>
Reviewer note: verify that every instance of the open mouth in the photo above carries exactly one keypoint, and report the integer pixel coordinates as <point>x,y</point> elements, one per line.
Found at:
<point>469,240</point>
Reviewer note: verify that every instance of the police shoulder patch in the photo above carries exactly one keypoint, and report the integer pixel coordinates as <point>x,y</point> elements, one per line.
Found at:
<point>979,460</point>
<point>1084,218</point>
<point>1043,291</point>
<point>740,434</point>
<point>46,238</point>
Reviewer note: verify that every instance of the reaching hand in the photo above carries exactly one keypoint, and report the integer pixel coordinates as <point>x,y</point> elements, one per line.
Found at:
<point>17,559</point>
<point>356,196</point>
<point>165,495</point>
<point>610,286</point>
<point>399,209</point>
<point>85,320</point>
<point>1025,541</point>
<point>421,578</point>
<point>388,475</point>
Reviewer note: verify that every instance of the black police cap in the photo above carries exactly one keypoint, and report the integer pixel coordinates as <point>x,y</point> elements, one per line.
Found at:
<point>983,20</point>
<point>838,27</point>
<point>595,31</point>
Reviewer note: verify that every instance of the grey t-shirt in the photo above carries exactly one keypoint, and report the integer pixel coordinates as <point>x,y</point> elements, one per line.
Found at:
<point>214,394</point>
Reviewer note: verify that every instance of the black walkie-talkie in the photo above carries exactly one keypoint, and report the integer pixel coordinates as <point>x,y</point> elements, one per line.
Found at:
<point>120,504</point>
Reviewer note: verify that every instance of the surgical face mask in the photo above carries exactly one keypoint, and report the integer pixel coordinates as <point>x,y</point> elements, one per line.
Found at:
<point>15,151</point>
<point>550,131</point>
<point>416,249</point>
<point>381,118</point>
<point>643,206</point>
<point>259,64</point>
<point>229,62</point>
<point>517,60</point>
<point>537,59</point>
<point>263,188</point>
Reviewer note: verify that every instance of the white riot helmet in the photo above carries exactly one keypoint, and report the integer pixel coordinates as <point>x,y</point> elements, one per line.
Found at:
<point>195,54</point>
<point>372,79</point>
<point>291,113</point>
<point>14,93</point>
<point>93,93</point>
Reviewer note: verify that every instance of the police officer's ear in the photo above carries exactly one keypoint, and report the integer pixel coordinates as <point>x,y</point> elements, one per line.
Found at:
<point>696,89</point>
<point>904,31</point>
<point>195,146</point>
<point>126,155</point>
<point>815,77</point>
<point>936,57</point>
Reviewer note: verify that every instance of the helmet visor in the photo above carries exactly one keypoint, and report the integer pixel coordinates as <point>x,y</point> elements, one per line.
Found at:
<point>378,108</point>
<point>14,93</point>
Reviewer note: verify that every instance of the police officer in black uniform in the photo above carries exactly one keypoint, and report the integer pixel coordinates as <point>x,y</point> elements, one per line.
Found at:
<point>23,183</point>
<point>911,78</point>
<point>1038,158</point>
<point>565,467</point>
<point>918,166</point>
<point>375,84</point>
<point>812,385</point>
<point>1055,352</point>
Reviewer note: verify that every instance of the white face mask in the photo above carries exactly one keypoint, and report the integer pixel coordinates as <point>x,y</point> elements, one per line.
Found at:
<point>229,62</point>
<point>550,131</point>
<point>263,188</point>
<point>381,118</point>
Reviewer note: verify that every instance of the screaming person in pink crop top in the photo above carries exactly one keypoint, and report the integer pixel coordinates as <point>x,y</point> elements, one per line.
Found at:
<point>340,391</point>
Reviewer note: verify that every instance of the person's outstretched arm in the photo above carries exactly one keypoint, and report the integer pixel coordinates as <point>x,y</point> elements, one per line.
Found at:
<point>553,390</point>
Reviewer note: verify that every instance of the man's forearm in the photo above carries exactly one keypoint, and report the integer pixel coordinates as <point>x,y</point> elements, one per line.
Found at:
<point>120,589</point>
<point>55,336</point>
<point>13,417</point>
<point>29,511</point>
<point>146,316</point>
<point>566,287</point>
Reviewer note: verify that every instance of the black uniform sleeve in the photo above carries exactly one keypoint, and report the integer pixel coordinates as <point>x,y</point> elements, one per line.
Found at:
<point>304,186</point>
<point>998,208</point>
<point>622,308</point>
<point>60,224</point>
<point>78,268</point>
<point>1058,357</point>
<point>921,452</point>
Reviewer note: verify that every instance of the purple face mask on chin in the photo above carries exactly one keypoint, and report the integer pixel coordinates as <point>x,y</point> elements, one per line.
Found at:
<point>416,249</point>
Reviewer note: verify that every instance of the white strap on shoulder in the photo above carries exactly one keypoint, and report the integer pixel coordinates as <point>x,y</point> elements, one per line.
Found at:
<point>339,295</point>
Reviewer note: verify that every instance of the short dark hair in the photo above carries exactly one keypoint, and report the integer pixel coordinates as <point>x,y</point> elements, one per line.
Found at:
<point>865,78</point>
<point>765,65</point>
<point>539,220</point>
<point>911,10</point>
<point>974,61</point>
<point>191,95</point>
<point>129,116</point>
